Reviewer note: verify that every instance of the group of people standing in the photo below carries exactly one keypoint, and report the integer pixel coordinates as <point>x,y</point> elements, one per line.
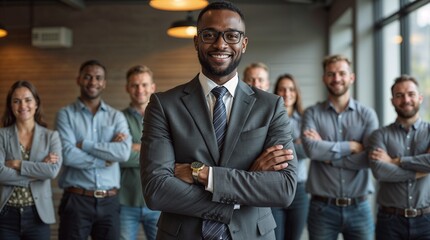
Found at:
<point>343,140</point>
<point>98,148</point>
<point>219,158</point>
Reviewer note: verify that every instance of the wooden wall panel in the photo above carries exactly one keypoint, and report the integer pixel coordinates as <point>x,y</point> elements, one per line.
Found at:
<point>123,35</point>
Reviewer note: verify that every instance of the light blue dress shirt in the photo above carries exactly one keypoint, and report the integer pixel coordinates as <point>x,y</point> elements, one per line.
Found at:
<point>86,168</point>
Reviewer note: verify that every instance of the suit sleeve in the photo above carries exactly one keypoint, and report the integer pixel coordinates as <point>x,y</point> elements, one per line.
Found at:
<point>162,190</point>
<point>40,170</point>
<point>262,188</point>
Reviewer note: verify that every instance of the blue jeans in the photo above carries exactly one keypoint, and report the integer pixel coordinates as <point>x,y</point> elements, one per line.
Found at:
<point>395,227</point>
<point>326,221</point>
<point>22,223</point>
<point>131,217</point>
<point>291,221</point>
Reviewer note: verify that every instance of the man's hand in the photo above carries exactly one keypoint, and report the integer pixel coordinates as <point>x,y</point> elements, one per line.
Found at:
<point>183,171</point>
<point>119,137</point>
<point>135,147</point>
<point>381,155</point>
<point>272,159</point>
<point>312,134</point>
<point>356,147</point>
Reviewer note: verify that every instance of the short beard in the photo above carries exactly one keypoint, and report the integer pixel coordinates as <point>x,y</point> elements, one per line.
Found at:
<point>231,67</point>
<point>337,94</point>
<point>406,115</point>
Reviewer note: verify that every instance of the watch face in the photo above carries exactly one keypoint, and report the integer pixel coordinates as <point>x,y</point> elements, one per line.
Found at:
<point>196,165</point>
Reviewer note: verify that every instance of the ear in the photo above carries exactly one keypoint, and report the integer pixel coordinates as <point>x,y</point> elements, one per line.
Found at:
<point>244,44</point>
<point>420,98</point>
<point>196,42</point>
<point>352,77</point>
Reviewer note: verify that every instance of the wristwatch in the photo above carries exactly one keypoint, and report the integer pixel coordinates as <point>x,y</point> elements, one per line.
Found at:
<point>196,167</point>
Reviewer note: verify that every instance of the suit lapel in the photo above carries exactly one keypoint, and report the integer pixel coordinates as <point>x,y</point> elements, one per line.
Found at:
<point>195,102</point>
<point>36,142</point>
<point>242,105</point>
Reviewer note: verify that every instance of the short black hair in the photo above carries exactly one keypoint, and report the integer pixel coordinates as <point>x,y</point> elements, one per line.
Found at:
<point>91,63</point>
<point>220,5</point>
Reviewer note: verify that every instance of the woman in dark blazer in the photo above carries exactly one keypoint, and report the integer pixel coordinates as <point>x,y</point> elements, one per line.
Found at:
<point>30,156</point>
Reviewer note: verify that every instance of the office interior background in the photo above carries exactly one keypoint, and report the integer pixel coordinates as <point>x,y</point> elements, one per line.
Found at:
<point>383,38</point>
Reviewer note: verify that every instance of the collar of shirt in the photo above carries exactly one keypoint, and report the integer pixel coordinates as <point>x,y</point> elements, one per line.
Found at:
<point>81,105</point>
<point>351,105</point>
<point>208,84</point>
<point>414,126</point>
<point>134,112</point>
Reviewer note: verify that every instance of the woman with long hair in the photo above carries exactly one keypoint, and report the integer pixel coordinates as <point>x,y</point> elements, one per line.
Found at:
<point>30,156</point>
<point>291,221</point>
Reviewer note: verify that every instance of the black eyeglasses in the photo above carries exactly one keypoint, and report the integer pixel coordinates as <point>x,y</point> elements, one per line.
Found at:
<point>211,36</point>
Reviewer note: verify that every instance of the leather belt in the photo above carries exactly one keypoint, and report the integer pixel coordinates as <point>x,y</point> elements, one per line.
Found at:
<point>340,202</point>
<point>93,193</point>
<point>406,212</point>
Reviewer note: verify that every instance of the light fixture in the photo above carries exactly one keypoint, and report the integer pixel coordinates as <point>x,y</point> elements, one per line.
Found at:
<point>3,31</point>
<point>183,28</point>
<point>178,5</point>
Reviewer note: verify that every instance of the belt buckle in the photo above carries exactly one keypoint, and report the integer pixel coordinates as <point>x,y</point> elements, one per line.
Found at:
<point>343,202</point>
<point>100,193</point>
<point>410,212</point>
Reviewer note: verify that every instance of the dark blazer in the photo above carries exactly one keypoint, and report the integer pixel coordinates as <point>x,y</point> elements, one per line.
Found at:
<point>34,173</point>
<point>178,129</point>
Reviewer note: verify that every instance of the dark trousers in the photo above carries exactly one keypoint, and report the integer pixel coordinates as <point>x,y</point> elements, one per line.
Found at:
<point>22,223</point>
<point>394,227</point>
<point>83,216</point>
<point>291,221</point>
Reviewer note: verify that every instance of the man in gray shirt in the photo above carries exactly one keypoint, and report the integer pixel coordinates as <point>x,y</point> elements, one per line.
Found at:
<point>400,161</point>
<point>334,135</point>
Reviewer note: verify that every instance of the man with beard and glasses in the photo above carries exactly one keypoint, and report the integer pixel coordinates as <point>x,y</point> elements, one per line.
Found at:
<point>334,136</point>
<point>95,138</point>
<point>400,161</point>
<point>214,167</point>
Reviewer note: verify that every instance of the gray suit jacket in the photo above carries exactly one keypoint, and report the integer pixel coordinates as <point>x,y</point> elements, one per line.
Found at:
<point>34,173</point>
<point>178,129</point>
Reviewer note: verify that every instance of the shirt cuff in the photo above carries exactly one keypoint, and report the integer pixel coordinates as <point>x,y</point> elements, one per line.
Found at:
<point>210,186</point>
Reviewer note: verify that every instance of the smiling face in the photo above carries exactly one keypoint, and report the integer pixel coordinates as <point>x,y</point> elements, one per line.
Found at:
<point>219,60</point>
<point>257,77</point>
<point>23,104</point>
<point>140,87</point>
<point>338,78</point>
<point>287,90</point>
<point>92,82</point>
<point>406,99</point>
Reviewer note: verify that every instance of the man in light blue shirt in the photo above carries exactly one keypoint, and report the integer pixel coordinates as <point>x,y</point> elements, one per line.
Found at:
<point>95,139</point>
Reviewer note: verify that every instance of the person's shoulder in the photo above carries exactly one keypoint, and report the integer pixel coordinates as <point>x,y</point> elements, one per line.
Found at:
<point>318,106</point>
<point>7,130</point>
<point>179,90</point>
<point>69,107</point>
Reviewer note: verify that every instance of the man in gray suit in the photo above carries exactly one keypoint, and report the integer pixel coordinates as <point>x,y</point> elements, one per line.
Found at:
<point>198,181</point>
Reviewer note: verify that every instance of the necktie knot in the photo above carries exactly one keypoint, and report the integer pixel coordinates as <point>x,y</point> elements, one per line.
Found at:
<point>219,92</point>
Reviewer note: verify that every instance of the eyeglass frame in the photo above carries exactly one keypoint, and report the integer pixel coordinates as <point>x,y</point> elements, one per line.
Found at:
<point>241,33</point>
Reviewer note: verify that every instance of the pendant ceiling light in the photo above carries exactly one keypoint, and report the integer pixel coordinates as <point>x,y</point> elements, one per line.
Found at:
<point>178,5</point>
<point>183,28</point>
<point>3,31</point>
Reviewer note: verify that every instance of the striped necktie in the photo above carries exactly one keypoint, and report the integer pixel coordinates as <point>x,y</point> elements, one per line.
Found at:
<point>213,230</point>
